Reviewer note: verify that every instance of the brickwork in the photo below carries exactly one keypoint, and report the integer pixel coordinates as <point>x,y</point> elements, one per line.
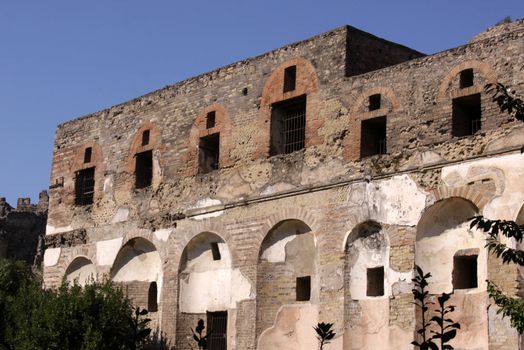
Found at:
<point>326,185</point>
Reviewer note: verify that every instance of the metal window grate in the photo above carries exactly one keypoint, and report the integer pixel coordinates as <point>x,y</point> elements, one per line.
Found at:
<point>382,147</point>
<point>294,129</point>
<point>475,126</point>
<point>85,186</point>
<point>217,325</point>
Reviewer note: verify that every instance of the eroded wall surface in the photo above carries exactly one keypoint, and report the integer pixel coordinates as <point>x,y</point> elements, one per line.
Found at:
<point>276,220</point>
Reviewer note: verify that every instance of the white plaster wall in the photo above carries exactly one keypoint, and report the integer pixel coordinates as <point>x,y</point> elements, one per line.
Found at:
<point>107,250</point>
<point>200,257</point>
<point>292,329</point>
<point>207,284</point>
<point>510,167</point>
<point>213,290</point>
<point>51,256</point>
<point>435,254</point>
<point>82,271</point>
<point>395,201</point>
<point>368,257</point>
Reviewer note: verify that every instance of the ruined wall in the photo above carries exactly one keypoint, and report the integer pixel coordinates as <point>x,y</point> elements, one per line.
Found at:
<point>22,229</point>
<point>327,187</point>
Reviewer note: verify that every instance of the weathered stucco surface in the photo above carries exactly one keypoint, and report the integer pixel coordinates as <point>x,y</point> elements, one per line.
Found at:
<point>278,242</point>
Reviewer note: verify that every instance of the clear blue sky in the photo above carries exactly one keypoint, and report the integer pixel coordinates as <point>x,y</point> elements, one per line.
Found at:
<point>62,59</point>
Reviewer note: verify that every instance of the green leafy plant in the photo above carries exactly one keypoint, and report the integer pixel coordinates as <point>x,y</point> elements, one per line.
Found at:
<point>324,333</point>
<point>509,306</point>
<point>140,323</point>
<point>98,316</point>
<point>200,339</point>
<point>446,329</point>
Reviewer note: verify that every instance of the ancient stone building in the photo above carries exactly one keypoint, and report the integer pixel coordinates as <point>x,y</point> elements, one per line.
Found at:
<point>22,229</point>
<point>299,186</point>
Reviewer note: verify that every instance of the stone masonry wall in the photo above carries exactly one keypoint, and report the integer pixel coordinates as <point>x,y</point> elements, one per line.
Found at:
<point>326,186</point>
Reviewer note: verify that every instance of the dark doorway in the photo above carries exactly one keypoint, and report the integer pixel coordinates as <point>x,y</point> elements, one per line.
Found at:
<point>217,325</point>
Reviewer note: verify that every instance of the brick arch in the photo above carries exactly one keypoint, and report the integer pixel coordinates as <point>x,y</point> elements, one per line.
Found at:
<point>180,241</point>
<point>358,105</point>
<point>306,83</point>
<point>97,161</point>
<point>476,197</point>
<point>155,143</point>
<point>354,221</point>
<point>480,66</point>
<point>87,252</point>
<point>147,235</point>
<point>352,143</point>
<point>285,214</point>
<point>198,130</point>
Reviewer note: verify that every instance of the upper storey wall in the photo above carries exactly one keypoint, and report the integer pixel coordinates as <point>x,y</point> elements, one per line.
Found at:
<point>415,99</point>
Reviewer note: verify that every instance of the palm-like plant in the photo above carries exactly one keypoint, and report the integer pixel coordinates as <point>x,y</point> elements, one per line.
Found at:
<point>324,333</point>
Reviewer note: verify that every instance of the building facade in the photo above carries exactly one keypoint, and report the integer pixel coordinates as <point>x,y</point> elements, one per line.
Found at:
<point>300,186</point>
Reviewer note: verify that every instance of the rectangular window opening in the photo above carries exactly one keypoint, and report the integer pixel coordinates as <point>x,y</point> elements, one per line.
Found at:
<point>466,78</point>
<point>87,155</point>
<point>85,186</point>
<point>374,102</point>
<point>143,169</point>
<point>373,137</point>
<point>288,126</point>
<point>152,296</point>
<point>215,251</point>
<point>303,288</point>
<point>145,138</point>
<point>210,120</point>
<point>290,78</point>
<point>217,328</point>
<point>466,115</point>
<point>209,153</point>
<point>375,281</point>
<point>465,271</point>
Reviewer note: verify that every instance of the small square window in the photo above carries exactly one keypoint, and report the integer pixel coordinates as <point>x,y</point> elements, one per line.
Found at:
<point>145,138</point>
<point>303,288</point>
<point>210,120</point>
<point>290,78</point>
<point>374,102</point>
<point>143,169</point>
<point>215,251</point>
<point>375,282</point>
<point>465,271</point>
<point>466,78</point>
<point>87,155</point>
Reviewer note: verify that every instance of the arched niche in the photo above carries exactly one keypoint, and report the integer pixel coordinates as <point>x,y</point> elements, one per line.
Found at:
<point>444,215</point>
<point>205,275</point>
<point>210,288</point>
<point>287,273</point>
<point>367,262</point>
<point>520,217</point>
<point>447,247</point>
<point>137,266</point>
<point>81,270</point>
<point>455,256</point>
<point>367,288</point>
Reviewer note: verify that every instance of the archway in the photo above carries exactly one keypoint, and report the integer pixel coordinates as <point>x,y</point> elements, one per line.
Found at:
<point>287,282</point>
<point>455,256</point>
<point>81,270</point>
<point>138,268</point>
<point>209,289</point>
